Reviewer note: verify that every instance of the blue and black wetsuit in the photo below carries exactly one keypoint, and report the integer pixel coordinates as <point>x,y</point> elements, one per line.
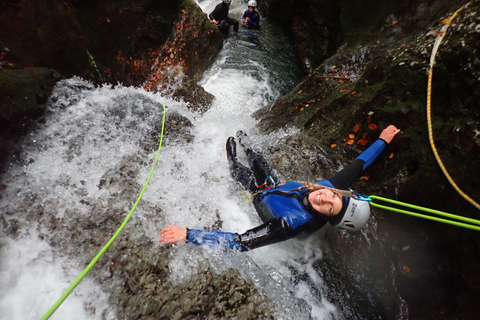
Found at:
<point>254,19</point>
<point>285,213</point>
<point>220,14</point>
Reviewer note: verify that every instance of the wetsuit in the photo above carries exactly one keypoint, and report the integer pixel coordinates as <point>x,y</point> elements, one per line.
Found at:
<point>285,214</point>
<point>220,14</point>
<point>254,19</point>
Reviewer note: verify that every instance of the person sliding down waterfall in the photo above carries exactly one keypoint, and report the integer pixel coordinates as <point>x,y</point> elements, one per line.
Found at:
<point>290,208</point>
<point>219,17</point>
<point>251,18</point>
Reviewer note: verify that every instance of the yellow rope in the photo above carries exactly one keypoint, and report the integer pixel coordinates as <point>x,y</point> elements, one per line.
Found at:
<point>438,40</point>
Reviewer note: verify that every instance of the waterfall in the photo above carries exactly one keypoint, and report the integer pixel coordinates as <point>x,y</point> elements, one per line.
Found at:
<point>82,169</point>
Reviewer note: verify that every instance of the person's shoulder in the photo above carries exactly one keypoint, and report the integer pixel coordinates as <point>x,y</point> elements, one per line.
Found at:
<point>291,185</point>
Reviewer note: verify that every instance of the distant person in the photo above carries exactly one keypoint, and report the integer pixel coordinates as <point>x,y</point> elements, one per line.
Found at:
<point>290,208</point>
<point>251,18</point>
<point>219,16</point>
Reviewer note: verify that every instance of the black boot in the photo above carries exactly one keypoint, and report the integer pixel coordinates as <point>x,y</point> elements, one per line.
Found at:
<point>240,135</point>
<point>240,173</point>
<point>231,149</point>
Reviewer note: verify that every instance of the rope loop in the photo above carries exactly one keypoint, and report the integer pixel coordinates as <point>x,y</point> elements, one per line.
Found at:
<point>438,40</point>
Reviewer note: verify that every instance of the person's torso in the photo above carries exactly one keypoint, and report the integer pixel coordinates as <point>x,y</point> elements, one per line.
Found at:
<point>289,206</point>
<point>221,12</point>
<point>253,16</point>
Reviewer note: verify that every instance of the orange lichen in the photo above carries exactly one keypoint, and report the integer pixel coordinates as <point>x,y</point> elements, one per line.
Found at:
<point>362,142</point>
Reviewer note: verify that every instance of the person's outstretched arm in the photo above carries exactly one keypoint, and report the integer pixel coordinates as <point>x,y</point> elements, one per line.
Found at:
<point>272,231</point>
<point>345,177</point>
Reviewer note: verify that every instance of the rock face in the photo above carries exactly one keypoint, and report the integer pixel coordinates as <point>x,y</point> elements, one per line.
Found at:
<point>375,78</point>
<point>103,41</point>
<point>23,94</point>
<point>320,27</point>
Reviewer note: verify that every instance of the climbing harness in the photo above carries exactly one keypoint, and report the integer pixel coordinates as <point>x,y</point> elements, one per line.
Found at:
<point>269,183</point>
<point>438,40</point>
<point>97,257</point>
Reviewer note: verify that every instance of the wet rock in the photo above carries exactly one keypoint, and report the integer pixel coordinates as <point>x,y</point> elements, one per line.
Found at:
<point>392,88</point>
<point>23,95</point>
<point>103,41</point>
<point>178,130</point>
<point>204,296</point>
<point>187,53</point>
<point>23,99</point>
<point>38,34</point>
<point>196,97</point>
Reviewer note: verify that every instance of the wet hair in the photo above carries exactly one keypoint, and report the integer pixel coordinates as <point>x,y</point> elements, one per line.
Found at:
<point>314,187</point>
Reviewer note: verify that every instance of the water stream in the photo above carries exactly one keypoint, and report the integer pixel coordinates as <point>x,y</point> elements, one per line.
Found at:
<point>66,177</point>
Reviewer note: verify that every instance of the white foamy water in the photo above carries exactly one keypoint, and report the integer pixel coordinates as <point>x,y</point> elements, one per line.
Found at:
<point>91,134</point>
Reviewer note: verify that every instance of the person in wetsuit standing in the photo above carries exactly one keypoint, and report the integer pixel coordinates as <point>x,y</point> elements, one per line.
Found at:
<point>219,16</point>
<point>290,208</point>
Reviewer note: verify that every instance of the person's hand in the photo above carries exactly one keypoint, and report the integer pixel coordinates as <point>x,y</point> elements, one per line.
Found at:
<point>248,19</point>
<point>243,20</point>
<point>389,133</point>
<point>173,234</point>
<point>214,21</point>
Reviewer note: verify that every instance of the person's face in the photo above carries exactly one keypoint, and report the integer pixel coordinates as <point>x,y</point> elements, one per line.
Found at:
<point>326,201</point>
<point>250,9</point>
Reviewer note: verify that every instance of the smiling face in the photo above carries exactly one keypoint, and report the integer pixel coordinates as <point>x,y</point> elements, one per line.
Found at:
<point>326,201</point>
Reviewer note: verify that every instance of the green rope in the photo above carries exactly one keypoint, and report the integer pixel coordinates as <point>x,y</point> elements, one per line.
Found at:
<point>90,266</point>
<point>467,225</point>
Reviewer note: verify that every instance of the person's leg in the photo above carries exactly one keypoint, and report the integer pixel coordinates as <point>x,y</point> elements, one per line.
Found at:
<point>224,28</point>
<point>240,173</point>
<point>258,164</point>
<point>233,23</point>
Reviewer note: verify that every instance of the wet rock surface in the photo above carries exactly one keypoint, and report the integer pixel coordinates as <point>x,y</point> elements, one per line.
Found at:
<point>382,82</point>
<point>205,295</point>
<point>23,100</point>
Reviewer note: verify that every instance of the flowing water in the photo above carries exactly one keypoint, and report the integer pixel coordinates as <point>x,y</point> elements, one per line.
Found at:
<point>63,186</point>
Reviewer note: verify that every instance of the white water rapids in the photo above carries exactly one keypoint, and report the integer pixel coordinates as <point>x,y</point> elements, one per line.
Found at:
<point>90,132</point>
